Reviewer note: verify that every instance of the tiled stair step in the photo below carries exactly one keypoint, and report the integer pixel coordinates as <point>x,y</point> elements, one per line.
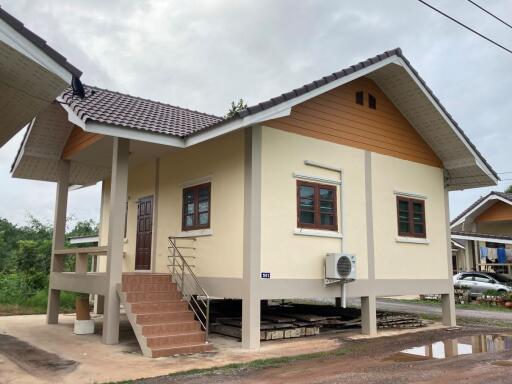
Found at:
<point>170,328</point>
<point>164,317</point>
<point>149,287</point>
<point>181,349</point>
<point>175,340</point>
<point>142,297</point>
<point>146,278</point>
<point>161,306</point>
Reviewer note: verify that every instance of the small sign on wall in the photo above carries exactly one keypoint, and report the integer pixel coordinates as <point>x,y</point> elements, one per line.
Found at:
<point>265,275</point>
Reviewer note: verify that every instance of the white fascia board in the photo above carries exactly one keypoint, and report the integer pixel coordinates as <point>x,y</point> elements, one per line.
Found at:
<point>234,125</point>
<point>16,41</point>
<point>21,152</point>
<point>482,203</point>
<point>458,245</point>
<point>133,134</point>
<point>284,108</point>
<point>436,105</point>
<point>479,238</point>
<point>72,116</point>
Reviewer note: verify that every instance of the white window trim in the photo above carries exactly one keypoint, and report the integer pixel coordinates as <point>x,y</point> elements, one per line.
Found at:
<point>198,181</point>
<point>410,194</point>
<point>317,233</point>
<point>412,240</point>
<point>195,233</point>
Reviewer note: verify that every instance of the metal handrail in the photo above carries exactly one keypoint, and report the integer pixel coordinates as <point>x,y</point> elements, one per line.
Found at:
<point>198,300</point>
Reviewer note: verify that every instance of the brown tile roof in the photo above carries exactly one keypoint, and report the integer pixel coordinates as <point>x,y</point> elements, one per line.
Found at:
<point>506,196</point>
<point>116,108</point>
<point>40,43</point>
<point>347,71</point>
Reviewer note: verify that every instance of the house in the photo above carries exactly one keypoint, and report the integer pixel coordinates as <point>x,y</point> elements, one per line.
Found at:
<point>358,162</point>
<point>483,232</point>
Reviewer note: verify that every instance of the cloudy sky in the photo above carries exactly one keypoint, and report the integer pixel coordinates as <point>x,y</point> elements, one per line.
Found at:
<point>204,54</point>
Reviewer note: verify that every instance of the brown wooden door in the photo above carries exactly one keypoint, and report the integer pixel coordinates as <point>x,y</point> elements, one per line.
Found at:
<point>144,233</point>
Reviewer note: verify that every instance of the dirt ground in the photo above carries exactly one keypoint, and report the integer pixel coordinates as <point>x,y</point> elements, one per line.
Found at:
<point>365,362</point>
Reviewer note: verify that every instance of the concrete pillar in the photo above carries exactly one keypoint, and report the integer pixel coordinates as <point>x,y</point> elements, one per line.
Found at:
<point>118,192</point>
<point>369,315</point>
<point>251,310</point>
<point>448,306</point>
<point>59,233</point>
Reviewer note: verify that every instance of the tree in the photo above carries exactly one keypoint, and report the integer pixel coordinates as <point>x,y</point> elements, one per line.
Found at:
<point>236,108</point>
<point>509,189</point>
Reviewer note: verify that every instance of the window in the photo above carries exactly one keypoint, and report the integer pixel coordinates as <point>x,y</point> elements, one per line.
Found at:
<point>196,207</point>
<point>316,206</point>
<point>411,217</point>
<point>372,101</point>
<point>360,97</point>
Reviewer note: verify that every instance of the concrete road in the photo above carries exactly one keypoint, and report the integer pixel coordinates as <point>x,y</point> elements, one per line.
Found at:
<point>432,309</point>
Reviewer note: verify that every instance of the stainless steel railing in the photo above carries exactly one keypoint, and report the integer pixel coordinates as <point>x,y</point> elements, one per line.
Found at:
<point>187,282</point>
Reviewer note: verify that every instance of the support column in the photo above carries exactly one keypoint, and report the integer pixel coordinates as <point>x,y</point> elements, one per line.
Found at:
<point>448,306</point>
<point>369,315</point>
<point>59,233</point>
<point>448,299</point>
<point>251,308</point>
<point>118,192</point>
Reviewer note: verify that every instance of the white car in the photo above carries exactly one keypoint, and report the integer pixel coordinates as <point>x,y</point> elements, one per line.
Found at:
<point>479,282</point>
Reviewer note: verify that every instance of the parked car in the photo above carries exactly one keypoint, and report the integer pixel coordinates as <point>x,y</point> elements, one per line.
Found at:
<point>479,282</point>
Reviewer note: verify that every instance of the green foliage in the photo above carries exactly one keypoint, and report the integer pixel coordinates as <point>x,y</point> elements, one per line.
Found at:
<point>25,262</point>
<point>509,189</point>
<point>236,108</point>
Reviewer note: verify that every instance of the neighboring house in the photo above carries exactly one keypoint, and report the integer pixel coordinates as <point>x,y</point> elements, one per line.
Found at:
<point>484,230</point>
<point>360,162</point>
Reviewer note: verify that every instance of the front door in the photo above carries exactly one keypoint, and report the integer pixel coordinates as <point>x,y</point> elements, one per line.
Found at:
<point>144,233</point>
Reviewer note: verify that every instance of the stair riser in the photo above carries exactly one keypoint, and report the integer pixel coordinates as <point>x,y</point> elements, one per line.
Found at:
<point>137,297</point>
<point>146,279</point>
<point>175,340</point>
<point>140,308</point>
<point>160,318</point>
<point>182,350</point>
<point>171,328</point>
<point>160,287</point>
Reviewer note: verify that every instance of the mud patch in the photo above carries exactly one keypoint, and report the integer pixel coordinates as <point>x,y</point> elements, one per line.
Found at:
<point>467,345</point>
<point>502,363</point>
<point>33,360</point>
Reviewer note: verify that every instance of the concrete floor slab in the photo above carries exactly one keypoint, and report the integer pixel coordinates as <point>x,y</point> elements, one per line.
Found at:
<point>99,363</point>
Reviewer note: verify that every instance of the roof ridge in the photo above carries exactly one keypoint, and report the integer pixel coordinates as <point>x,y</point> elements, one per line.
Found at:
<point>151,101</point>
<point>508,196</point>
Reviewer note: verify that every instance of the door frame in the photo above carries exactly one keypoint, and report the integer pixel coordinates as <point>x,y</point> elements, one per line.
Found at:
<point>151,262</point>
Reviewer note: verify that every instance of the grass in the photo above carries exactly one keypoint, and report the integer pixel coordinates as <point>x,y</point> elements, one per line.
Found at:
<point>273,362</point>
<point>34,304</point>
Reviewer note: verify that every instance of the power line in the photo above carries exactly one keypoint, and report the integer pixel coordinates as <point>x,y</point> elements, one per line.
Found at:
<point>490,13</point>
<point>465,26</point>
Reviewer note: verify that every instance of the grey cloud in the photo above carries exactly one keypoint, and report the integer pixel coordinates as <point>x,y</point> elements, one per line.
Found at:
<point>204,54</point>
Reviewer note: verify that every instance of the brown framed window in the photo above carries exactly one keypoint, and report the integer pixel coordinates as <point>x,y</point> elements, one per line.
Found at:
<point>316,206</point>
<point>411,217</point>
<point>196,207</point>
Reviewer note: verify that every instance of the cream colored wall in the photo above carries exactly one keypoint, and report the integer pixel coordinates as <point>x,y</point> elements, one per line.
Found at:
<point>290,256</point>
<point>396,260</point>
<point>220,161</point>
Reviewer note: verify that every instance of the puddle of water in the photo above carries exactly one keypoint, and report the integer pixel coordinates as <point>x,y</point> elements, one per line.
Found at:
<point>455,347</point>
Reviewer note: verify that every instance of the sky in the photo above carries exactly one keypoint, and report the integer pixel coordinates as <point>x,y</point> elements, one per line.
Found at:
<point>204,54</point>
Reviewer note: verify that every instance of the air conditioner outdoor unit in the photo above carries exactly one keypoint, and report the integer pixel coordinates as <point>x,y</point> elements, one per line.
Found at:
<point>340,266</point>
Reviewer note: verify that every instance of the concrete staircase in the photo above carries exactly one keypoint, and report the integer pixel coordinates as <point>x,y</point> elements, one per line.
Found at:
<point>162,321</point>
